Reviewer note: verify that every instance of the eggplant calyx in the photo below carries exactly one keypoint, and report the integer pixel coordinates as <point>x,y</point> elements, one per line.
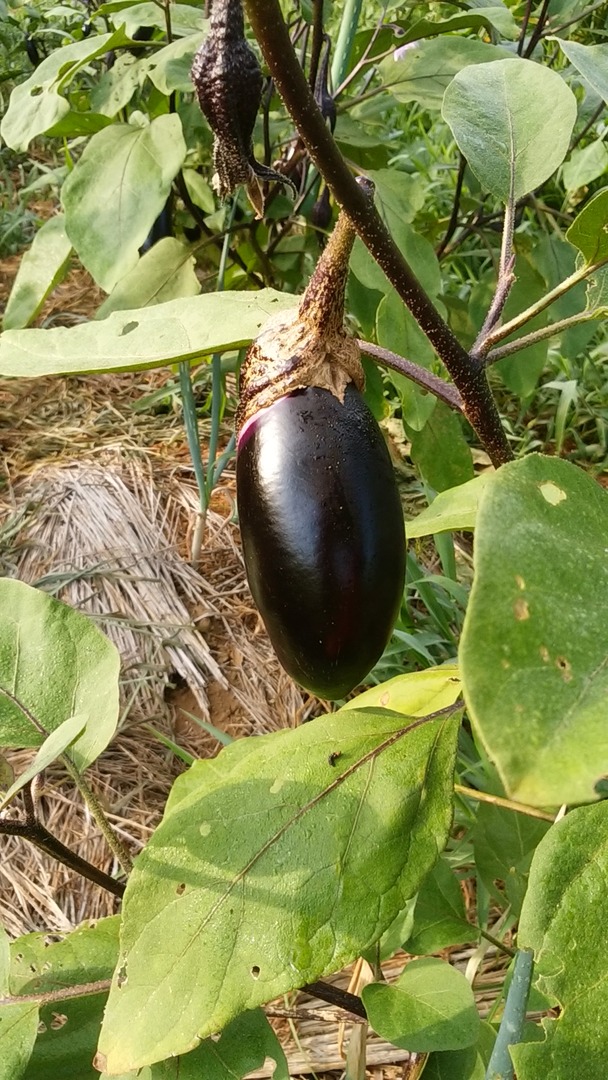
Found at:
<point>309,346</point>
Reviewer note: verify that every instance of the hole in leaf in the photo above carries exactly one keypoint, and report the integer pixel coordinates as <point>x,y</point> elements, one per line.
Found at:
<point>59,1019</point>
<point>121,978</point>
<point>255,971</point>
<point>128,328</point>
<point>181,888</point>
<point>35,91</point>
<point>565,667</point>
<point>41,1027</point>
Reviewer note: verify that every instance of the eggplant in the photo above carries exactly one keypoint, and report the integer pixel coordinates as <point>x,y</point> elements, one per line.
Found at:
<point>323,535</point>
<point>319,510</point>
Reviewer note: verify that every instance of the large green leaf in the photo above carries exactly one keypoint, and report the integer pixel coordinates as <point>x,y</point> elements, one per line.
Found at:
<point>589,230</point>
<point>439,916</point>
<point>441,451</point>
<point>37,104</point>
<point>242,1047</point>
<point>564,920</point>
<point>227,909</point>
<point>164,273</point>
<point>18,1023</point>
<point>114,89</point>
<point>510,147</point>
<point>590,60</point>
<point>504,843</point>
<point>168,333</point>
<point>185,18</point>
<point>533,651</point>
<point>169,68</point>
<point>429,1007</point>
<point>69,1028</point>
<point>454,508</point>
<point>426,67</point>
<point>42,267</point>
<point>54,664</point>
<point>116,191</point>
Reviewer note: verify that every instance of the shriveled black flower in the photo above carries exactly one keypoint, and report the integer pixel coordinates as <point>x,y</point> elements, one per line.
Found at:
<point>228,83</point>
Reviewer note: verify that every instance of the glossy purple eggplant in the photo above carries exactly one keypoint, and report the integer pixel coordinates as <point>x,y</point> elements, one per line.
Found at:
<point>323,535</point>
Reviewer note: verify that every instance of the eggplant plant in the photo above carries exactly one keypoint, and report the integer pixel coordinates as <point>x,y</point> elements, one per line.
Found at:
<point>478,270</point>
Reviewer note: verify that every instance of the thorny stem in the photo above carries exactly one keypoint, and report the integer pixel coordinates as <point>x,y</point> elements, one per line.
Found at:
<point>446,392</point>
<point>538,335</point>
<point>470,378</point>
<point>507,804</point>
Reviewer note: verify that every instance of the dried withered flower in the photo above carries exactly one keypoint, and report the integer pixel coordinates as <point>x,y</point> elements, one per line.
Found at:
<point>228,83</point>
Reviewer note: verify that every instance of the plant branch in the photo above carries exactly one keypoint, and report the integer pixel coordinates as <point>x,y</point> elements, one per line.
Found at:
<point>576,18</point>
<point>114,842</point>
<point>194,211</point>
<point>507,804</point>
<point>317,42</point>
<point>496,942</point>
<point>538,29</point>
<point>506,278</point>
<point>545,301</point>
<point>446,392</point>
<point>470,378</point>
<point>524,27</point>
<point>538,335</point>
<point>50,997</point>
<point>40,837</point>
<point>453,222</point>
<point>335,996</point>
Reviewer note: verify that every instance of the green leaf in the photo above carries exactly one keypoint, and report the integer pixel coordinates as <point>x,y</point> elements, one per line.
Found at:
<point>589,231</point>
<point>275,899</point>
<point>425,69</point>
<point>564,920</point>
<point>52,747</point>
<point>417,693</point>
<point>510,147</point>
<point>555,259</point>
<point>185,18</point>
<point>169,68</point>
<point>469,1064</point>
<point>56,664</point>
<point>42,267</point>
<point>37,104</point>
<point>69,1029</point>
<point>591,61</point>
<point>504,843</point>
<point>439,916</point>
<point>429,1007</point>
<point>242,1047</point>
<point>116,191</point>
<point>184,329</point>
<point>452,509</point>
<point>488,16</point>
<point>585,165</point>
<point>18,1030</point>
<point>114,89</point>
<point>440,450</point>
<point>533,650</point>
<point>164,273</point>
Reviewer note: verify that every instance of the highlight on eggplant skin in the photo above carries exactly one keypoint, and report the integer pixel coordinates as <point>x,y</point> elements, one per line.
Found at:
<point>323,535</point>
